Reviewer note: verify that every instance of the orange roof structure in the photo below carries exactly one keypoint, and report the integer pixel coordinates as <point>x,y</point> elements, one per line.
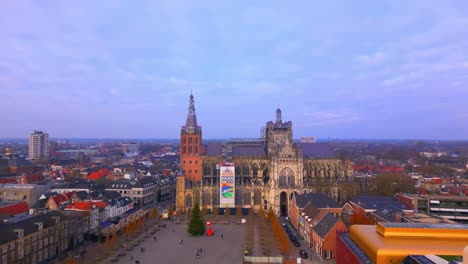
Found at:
<point>392,242</point>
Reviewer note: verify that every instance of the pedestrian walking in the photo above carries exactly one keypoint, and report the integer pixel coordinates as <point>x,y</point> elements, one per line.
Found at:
<point>173,230</point>
<point>198,256</point>
<point>222,237</point>
<point>201,250</point>
<point>131,257</point>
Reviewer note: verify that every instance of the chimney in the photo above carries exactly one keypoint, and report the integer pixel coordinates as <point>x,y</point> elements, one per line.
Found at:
<point>40,225</point>
<point>19,232</point>
<point>57,219</point>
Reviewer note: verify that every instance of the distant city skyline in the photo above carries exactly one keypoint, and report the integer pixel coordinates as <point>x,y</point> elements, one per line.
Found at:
<point>341,70</point>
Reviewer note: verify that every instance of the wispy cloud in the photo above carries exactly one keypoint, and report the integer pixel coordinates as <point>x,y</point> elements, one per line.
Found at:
<point>371,59</point>
<point>331,118</point>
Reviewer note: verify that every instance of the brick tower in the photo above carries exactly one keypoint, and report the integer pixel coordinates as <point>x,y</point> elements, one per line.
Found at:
<point>191,145</point>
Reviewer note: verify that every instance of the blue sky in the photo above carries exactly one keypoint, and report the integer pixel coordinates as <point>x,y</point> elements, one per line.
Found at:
<point>125,69</point>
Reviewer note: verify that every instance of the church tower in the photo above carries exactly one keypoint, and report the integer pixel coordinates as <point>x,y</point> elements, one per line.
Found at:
<point>191,145</point>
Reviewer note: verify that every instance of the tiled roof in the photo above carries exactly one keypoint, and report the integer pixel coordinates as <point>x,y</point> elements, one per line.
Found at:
<point>357,251</point>
<point>213,149</point>
<point>250,151</point>
<point>14,209</point>
<point>60,199</point>
<point>379,202</point>
<point>318,200</point>
<point>317,150</point>
<point>86,206</point>
<point>27,224</point>
<point>41,203</point>
<point>326,224</point>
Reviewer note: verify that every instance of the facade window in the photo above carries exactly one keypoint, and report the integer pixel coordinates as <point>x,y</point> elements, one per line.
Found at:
<point>190,140</point>
<point>190,171</point>
<point>184,161</point>
<point>196,150</point>
<point>185,149</point>
<point>190,162</point>
<point>190,149</point>
<point>196,162</point>
<point>184,140</point>
<point>328,254</point>
<point>196,171</point>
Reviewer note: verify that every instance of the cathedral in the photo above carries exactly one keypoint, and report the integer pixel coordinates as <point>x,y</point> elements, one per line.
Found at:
<point>268,170</point>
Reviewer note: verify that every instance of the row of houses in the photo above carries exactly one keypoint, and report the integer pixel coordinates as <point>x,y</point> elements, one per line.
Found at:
<point>318,219</point>
<point>144,191</point>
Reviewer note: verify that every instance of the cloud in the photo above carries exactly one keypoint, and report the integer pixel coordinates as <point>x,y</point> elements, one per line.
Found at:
<point>371,59</point>
<point>331,118</point>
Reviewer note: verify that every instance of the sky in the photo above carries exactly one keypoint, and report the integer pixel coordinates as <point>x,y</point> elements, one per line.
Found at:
<point>337,69</point>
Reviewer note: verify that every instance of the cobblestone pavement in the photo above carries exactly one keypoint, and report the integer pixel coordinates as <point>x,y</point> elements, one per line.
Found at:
<point>167,249</point>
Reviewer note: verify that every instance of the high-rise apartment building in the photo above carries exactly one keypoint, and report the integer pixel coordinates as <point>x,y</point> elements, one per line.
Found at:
<point>39,146</point>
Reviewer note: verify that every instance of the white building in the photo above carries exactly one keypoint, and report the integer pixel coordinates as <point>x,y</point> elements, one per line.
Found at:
<point>39,147</point>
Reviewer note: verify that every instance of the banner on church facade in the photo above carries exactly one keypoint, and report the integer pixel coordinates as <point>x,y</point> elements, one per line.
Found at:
<point>227,181</point>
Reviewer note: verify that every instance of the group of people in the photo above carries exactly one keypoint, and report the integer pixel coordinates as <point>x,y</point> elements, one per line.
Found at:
<point>199,251</point>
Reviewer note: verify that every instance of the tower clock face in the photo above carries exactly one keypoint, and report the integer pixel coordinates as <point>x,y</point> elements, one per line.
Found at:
<point>190,130</point>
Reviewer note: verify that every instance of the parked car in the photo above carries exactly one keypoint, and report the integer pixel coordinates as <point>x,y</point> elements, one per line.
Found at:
<point>303,253</point>
<point>296,243</point>
<point>292,238</point>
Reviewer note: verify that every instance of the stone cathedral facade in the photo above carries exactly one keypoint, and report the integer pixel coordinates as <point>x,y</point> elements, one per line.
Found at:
<point>268,170</point>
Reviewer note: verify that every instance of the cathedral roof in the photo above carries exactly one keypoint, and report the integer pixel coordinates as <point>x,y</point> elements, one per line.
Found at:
<point>213,149</point>
<point>317,150</point>
<point>250,151</point>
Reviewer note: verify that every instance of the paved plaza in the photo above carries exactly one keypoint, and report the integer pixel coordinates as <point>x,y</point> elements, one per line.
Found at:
<point>168,250</point>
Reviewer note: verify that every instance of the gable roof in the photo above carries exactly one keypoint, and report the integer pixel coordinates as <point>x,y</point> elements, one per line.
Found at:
<point>326,224</point>
<point>27,224</point>
<point>375,203</point>
<point>213,149</point>
<point>14,209</point>
<point>317,150</point>
<point>248,151</point>
<point>318,200</point>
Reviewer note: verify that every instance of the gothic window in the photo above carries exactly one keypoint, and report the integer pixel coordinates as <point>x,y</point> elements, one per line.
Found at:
<point>206,170</point>
<point>257,197</point>
<point>286,178</point>
<point>188,201</point>
<point>206,198</point>
<point>245,170</point>
<point>238,198</point>
<point>238,171</point>
<point>255,170</point>
<point>190,162</point>
<point>196,196</point>
<point>247,197</point>
<point>216,197</point>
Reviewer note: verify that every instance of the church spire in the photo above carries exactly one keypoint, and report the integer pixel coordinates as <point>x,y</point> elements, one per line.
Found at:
<point>278,116</point>
<point>191,116</point>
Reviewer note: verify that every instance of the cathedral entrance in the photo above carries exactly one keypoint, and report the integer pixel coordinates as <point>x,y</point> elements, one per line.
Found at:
<point>283,204</point>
